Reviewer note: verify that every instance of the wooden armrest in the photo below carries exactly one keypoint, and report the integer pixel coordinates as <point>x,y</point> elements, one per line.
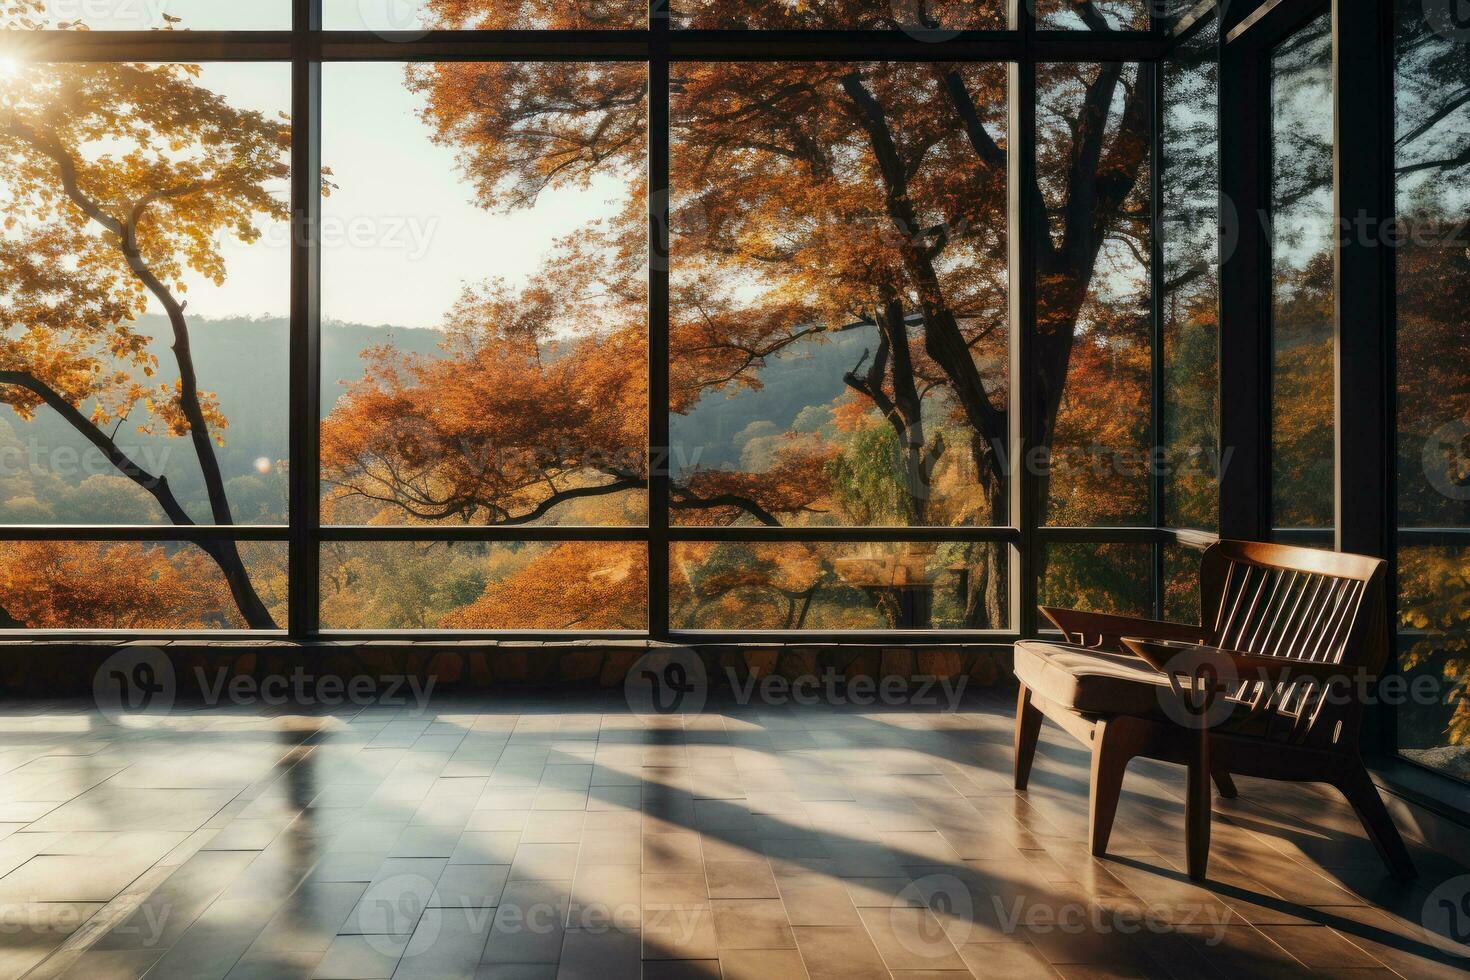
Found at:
<point>1161,654</point>
<point>1103,631</point>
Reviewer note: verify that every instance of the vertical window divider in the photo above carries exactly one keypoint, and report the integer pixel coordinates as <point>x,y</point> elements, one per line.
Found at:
<point>659,449</point>
<point>1153,76</point>
<point>1025,225</point>
<point>304,486</point>
<point>1366,517</point>
<point>1244,355</point>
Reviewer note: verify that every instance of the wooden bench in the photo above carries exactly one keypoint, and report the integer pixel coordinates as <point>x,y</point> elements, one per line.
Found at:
<point>1272,686</point>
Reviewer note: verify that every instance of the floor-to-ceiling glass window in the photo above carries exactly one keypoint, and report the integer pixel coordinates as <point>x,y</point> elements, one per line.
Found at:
<point>143,342</point>
<point>1432,168</point>
<point>1302,222</point>
<point>1094,338</point>
<point>484,344</point>
<point>1189,310</point>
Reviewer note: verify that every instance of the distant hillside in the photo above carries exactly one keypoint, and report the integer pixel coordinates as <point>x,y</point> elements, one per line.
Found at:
<point>244,362</point>
<point>796,388</point>
<point>44,463</point>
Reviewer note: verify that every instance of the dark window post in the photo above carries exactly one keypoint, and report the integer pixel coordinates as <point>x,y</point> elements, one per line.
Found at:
<point>1025,226</point>
<point>1362,32</point>
<point>304,488</point>
<point>1244,286</point>
<point>660,460</point>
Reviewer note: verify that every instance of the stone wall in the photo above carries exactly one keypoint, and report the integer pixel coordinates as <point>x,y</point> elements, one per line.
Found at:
<point>68,668</point>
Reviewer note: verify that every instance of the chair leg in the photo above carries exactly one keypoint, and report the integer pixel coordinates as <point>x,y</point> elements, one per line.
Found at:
<point>1225,784</point>
<point>1358,787</point>
<point>1115,741</point>
<point>1197,804</point>
<point>1028,730</point>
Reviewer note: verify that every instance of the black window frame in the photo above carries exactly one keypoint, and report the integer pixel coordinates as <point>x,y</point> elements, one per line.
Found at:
<point>306,47</point>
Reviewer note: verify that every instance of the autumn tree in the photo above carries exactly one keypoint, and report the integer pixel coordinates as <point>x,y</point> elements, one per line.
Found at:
<point>123,178</point>
<point>566,586</point>
<point>812,199</point>
<point>127,585</point>
<point>1432,143</point>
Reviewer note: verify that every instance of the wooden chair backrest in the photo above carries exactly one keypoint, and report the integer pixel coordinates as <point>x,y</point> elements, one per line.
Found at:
<point>1276,600</point>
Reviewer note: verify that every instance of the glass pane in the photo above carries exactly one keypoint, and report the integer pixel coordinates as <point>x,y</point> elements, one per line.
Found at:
<point>138,586</point>
<point>1191,283</point>
<point>484,271</point>
<point>1433,361</point>
<point>1169,13</point>
<point>925,18</point>
<point>1302,283</point>
<point>1094,341</point>
<point>397,16</point>
<point>1434,650</point>
<point>98,335</point>
<point>1099,15</point>
<point>1433,267</point>
<point>840,320</point>
<point>1107,578</point>
<point>746,586</point>
<point>147,15</point>
<point>1181,584</point>
<point>479,586</point>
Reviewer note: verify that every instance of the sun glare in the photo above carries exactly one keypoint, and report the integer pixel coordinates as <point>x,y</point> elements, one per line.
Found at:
<point>9,67</point>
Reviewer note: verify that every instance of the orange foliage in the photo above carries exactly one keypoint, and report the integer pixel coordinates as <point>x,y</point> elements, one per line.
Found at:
<point>572,586</point>
<point>811,199</point>
<point>66,585</point>
<point>539,398</point>
<point>102,232</point>
<point>127,178</point>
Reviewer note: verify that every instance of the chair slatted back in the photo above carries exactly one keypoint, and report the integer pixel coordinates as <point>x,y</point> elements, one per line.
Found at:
<point>1299,604</point>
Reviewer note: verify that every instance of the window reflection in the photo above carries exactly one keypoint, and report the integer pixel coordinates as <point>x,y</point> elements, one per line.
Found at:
<point>1302,280</point>
<point>1432,160</point>
<point>1094,332</point>
<point>1191,281</point>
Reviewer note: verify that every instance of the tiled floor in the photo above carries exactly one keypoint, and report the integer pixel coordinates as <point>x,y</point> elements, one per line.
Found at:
<point>568,837</point>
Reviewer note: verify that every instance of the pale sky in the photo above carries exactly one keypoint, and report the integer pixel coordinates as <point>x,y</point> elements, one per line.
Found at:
<point>203,15</point>
<point>401,234</point>
<point>236,15</point>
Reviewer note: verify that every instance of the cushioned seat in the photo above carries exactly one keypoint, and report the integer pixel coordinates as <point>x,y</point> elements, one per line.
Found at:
<point>1089,681</point>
